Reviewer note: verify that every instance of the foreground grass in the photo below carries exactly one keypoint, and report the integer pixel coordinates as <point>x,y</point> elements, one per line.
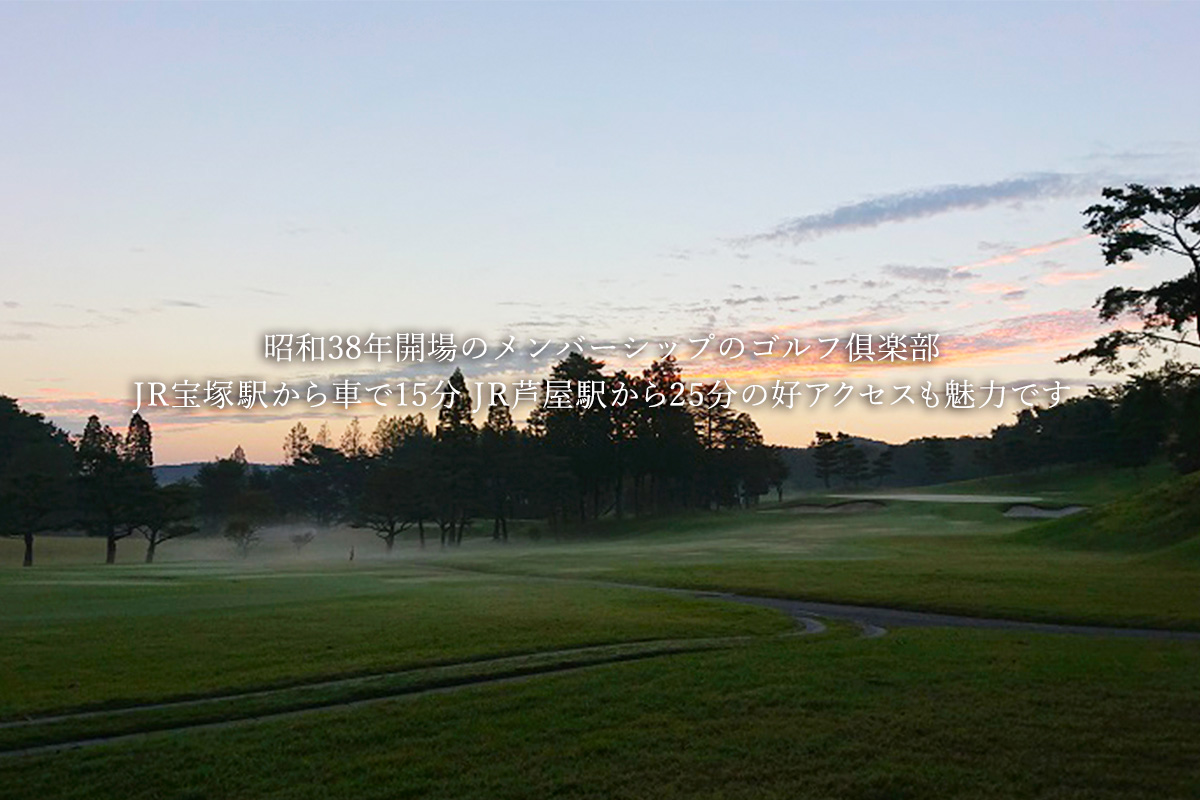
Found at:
<point>916,715</point>
<point>120,636</point>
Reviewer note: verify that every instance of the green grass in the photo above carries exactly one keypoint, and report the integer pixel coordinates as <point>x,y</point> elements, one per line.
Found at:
<point>923,714</point>
<point>1161,517</point>
<point>669,696</point>
<point>1086,484</point>
<point>147,634</point>
<point>960,558</point>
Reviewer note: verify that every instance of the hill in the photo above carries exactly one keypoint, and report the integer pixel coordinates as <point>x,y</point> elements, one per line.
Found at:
<point>174,473</point>
<point>1165,517</point>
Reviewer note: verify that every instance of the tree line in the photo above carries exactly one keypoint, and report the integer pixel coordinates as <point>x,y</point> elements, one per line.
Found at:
<point>1153,416</point>
<point>1154,412</point>
<point>587,456</point>
<point>100,483</point>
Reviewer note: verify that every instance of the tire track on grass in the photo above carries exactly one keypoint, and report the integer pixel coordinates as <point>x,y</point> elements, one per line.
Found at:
<point>440,679</point>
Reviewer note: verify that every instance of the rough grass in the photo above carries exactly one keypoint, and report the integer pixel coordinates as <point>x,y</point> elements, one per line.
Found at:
<point>1086,484</point>
<point>1161,517</point>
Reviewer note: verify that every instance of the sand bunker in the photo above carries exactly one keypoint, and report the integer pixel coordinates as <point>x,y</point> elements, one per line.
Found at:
<point>1023,511</point>
<point>913,497</point>
<point>853,507</point>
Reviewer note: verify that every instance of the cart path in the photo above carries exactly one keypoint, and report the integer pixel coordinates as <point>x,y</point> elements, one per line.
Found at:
<point>874,620</point>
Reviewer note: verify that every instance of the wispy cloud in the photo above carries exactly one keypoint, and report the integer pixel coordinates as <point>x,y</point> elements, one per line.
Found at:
<point>924,274</point>
<point>268,292</point>
<point>994,288</point>
<point>183,304</point>
<point>1038,333</point>
<point>1022,252</point>
<point>922,203</point>
<point>1059,278</point>
<point>741,301</point>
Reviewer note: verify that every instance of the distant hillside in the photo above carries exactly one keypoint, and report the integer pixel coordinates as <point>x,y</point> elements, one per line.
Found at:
<point>909,463</point>
<point>173,473</point>
<point>1166,517</point>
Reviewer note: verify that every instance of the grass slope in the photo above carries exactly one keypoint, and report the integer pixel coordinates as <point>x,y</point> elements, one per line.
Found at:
<point>1164,516</point>
<point>1087,484</point>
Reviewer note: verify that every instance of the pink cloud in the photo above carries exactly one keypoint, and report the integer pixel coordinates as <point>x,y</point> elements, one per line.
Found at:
<point>994,288</point>
<point>1059,278</point>
<point>1024,252</point>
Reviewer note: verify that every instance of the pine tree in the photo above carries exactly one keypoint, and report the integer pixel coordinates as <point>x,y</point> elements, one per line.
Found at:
<point>825,456</point>
<point>296,445</point>
<point>137,447</point>
<point>323,438</point>
<point>354,442</point>
<point>116,484</point>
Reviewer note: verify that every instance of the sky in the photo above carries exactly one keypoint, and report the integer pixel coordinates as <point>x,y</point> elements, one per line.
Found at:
<point>179,180</point>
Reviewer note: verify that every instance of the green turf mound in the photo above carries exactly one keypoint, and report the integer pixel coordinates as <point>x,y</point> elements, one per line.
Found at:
<point>1166,516</point>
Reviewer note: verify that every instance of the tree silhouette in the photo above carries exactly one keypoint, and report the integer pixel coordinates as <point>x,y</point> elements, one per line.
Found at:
<point>354,441</point>
<point>301,540</point>
<point>297,446</point>
<point>454,462</point>
<point>116,484</point>
<point>498,443</point>
<point>166,515</point>
<point>1147,221</point>
<point>825,456</point>
<point>581,432</point>
<point>852,463</point>
<point>136,447</point>
<point>386,504</point>
<point>37,464</point>
<point>937,459</point>
<point>883,465</point>
<point>323,437</point>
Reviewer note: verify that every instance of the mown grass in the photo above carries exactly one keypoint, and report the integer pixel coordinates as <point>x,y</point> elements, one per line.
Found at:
<point>87,726</point>
<point>917,714</point>
<point>118,636</point>
<point>959,558</point>
<point>920,714</point>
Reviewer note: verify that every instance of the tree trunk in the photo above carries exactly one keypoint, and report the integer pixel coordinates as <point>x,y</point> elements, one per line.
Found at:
<point>151,544</point>
<point>390,540</point>
<point>421,532</point>
<point>28,550</point>
<point>110,552</point>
